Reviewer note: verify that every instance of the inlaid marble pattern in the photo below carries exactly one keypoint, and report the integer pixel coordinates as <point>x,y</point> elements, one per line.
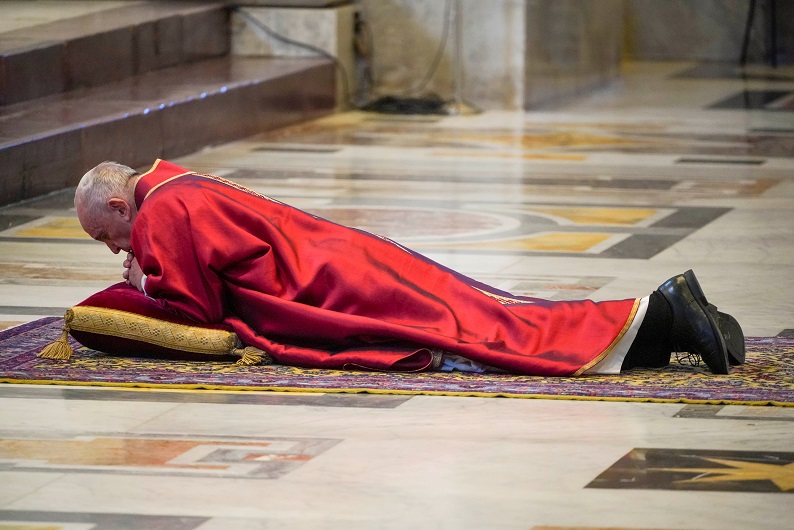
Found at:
<point>293,399</point>
<point>607,231</point>
<point>233,457</point>
<point>637,183</point>
<point>735,412</point>
<point>46,520</point>
<point>702,470</point>
<point>567,141</point>
<point>758,99</point>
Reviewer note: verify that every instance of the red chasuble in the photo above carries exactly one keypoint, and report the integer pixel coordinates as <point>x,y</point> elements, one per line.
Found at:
<point>313,293</point>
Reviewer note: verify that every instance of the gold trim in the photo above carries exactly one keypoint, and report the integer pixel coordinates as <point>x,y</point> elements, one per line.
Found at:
<point>154,166</point>
<point>438,359</point>
<point>152,169</point>
<point>238,187</point>
<point>166,181</point>
<point>504,300</point>
<point>209,177</point>
<point>133,326</point>
<point>626,326</point>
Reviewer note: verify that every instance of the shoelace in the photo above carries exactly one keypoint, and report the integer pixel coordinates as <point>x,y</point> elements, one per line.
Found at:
<point>692,359</point>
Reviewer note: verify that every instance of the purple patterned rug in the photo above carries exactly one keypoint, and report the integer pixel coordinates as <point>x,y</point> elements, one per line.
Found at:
<point>766,379</point>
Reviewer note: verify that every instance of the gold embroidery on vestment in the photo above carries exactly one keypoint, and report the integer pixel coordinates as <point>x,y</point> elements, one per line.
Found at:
<point>503,299</point>
<point>614,343</point>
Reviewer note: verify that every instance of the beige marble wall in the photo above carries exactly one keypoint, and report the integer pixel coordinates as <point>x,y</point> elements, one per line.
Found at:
<point>514,54</point>
<point>572,47</point>
<point>330,29</point>
<point>707,30</point>
<point>406,36</point>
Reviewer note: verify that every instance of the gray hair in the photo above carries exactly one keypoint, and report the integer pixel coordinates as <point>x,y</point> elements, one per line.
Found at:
<point>105,181</point>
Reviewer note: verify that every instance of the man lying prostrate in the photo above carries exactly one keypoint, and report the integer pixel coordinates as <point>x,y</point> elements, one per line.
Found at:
<point>313,293</point>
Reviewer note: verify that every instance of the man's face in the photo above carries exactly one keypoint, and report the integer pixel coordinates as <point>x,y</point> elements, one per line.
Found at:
<point>112,227</point>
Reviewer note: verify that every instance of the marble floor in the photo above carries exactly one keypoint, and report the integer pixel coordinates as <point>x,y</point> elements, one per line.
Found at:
<point>675,167</point>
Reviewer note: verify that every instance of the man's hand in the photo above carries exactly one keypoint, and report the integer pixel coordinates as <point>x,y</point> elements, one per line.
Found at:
<point>132,272</point>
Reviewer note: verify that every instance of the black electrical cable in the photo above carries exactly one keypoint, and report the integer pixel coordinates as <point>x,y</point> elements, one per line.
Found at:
<point>364,44</point>
<point>442,45</point>
<point>407,102</point>
<point>399,104</point>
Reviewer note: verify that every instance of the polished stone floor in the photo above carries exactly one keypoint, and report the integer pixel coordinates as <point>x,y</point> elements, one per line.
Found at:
<point>676,167</point>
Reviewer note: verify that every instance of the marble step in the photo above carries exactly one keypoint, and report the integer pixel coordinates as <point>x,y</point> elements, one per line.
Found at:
<point>48,143</point>
<point>107,45</point>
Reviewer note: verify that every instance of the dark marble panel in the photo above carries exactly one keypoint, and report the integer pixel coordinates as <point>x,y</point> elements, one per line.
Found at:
<point>770,130</point>
<point>158,44</point>
<point>641,246</point>
<point>54,202</point>
<point>230,114</point>
<point>296,149</point>
<point>191,124</point>
<point>35,168</point>
<point>49,240</point>
<point>725,161</point>
<point>108,45</point>
<point>132,140</point>
<point>20,310</point>
<point>753,100</point>
<point>12,170</point>
<point>52,163</point>
<point>283,104</point>
<point>31,73</point>
<point>711,412</point>
<point>97,59</point>
<point>169,112</point>
<point>692,218</point>
<point>101,521</point>
<point>171,87</point>
<point>700,470</point>
<point>717,70</point>
<point>10,221</point>
<point>336,400</point>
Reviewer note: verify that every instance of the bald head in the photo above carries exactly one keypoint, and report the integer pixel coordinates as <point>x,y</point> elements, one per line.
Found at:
<point>105,204</point>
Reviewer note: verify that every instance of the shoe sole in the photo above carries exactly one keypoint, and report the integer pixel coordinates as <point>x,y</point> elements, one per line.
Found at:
<point>734,337</point>
<point>731,332</point>
<point>712,315</point>
<point>729,327</point>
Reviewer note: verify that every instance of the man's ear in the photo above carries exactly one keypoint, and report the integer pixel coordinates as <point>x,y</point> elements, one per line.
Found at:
<point>120,207</point>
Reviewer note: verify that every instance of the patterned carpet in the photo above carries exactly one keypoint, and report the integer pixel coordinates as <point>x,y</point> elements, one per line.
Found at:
<point>766,379</point>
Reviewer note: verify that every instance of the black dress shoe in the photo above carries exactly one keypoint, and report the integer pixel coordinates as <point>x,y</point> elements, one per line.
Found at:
<point>733,336</point>
<point>695,327</point>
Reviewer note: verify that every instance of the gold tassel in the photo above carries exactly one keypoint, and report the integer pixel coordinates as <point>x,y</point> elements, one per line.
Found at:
<point>251,356</point>
<point>60,349</point>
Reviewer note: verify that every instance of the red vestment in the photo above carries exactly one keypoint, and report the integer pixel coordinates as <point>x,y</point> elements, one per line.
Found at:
<point>313,293</point>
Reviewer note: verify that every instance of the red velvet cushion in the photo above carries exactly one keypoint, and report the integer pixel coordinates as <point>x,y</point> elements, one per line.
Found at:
<point>125,302</point>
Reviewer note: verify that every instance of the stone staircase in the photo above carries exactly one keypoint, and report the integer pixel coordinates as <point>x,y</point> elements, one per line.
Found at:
<point>134,82</point>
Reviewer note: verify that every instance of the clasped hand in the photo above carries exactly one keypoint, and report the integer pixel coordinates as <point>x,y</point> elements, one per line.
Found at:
<point>132,272</point>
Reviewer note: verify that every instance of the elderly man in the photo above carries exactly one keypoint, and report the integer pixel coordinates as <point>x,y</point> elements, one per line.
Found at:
<point>313,293</point>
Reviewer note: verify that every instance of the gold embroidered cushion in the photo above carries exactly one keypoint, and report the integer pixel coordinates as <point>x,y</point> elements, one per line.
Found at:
<point>120,320</point>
